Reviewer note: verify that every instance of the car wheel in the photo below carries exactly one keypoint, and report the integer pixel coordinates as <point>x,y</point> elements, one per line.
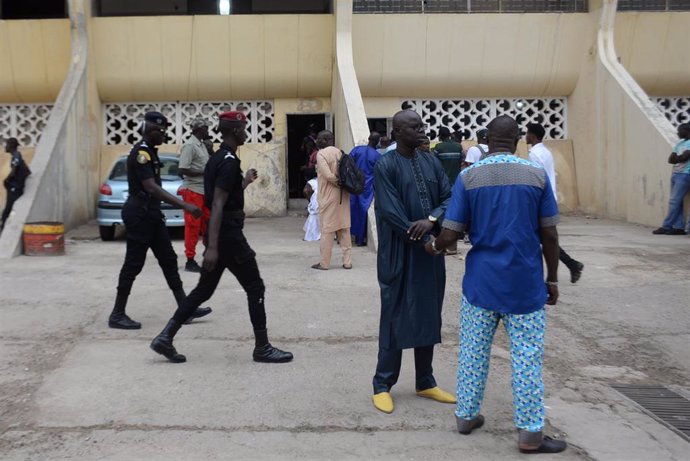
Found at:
<point>107,233</point>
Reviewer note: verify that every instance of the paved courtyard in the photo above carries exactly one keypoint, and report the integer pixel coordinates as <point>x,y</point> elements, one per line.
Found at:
<point>74,389</point>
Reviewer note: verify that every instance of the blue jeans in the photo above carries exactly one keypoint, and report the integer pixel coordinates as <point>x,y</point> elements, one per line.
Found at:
<point>680,185</point>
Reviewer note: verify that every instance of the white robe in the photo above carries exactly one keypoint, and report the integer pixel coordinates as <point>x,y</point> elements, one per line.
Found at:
<point>312,227</point>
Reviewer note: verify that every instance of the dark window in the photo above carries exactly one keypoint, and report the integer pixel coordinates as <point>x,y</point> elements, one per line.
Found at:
<point>119,172</point>
<point>33,9</point>
<point>148,7</point>
<point>198,7</point>
<point>286,7</point>
<point>202,7</point>
<point>470,6</point>
<point>679,5</point>
<point>387,6</point>
<point>654,5</point>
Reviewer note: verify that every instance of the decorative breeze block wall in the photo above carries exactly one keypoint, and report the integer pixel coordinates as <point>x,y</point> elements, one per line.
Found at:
<point>24,122</point>
<point>675,108</point>
<point>469,115</point>
<point>121,119</point>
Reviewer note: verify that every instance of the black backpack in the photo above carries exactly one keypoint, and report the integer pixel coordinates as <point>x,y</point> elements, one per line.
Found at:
<point>351,178</point>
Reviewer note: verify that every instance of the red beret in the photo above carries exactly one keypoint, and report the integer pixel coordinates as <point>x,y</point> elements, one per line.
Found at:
<point>234,116</point>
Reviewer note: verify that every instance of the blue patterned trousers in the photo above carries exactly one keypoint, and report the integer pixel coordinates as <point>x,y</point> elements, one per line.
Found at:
<point>526,333</point>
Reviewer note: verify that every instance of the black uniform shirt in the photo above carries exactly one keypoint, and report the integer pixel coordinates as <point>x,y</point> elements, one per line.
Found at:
<point>19,172</point>
<point>142,164</point>
<point>223,171</point>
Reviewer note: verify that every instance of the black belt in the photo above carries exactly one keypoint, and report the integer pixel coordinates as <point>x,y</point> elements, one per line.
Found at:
<point>147,203</point>
<point>239,214</point>
<point>233,219</point>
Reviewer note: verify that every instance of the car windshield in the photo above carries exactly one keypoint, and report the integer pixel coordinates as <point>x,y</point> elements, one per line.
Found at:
<point>169,170</point>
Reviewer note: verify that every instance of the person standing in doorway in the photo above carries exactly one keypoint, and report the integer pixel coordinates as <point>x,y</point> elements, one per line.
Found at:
<point>228,248</point>
<point>365,158</point>
<point>674,224</point>
<point>412,193</point>
<point>334,203</point>
<point>193,160</point>
<point>540,155</point>
<point>145,223</point>
<point>514,214</point>
<point>14,182</point>
<point>309,147</point>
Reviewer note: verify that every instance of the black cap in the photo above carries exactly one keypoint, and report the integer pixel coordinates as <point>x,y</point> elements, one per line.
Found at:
<point>482,133</point>
<point>157,118</point>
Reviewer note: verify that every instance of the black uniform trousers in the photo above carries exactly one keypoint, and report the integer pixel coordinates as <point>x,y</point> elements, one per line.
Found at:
<point>12,196</point>
<point>566,259</point>
<point>147,230</point>
<point>388,368</point>
<point>235,255</point>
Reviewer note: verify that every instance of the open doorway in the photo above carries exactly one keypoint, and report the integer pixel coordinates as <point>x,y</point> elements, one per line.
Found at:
<point>378,124</point>
<point>298,127</point>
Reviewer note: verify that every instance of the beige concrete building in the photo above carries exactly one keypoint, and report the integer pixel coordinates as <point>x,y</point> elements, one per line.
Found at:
<point>609,83</point>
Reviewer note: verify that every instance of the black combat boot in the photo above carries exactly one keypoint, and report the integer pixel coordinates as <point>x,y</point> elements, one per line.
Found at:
<point>118,318</point>
<point>264,352</point>
<point>198,313</point>
<point>163,343</point>
<point>192,266</point>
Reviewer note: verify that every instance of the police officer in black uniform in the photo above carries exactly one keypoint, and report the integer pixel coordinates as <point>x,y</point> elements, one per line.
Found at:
<point>14,182</point>
<point>227,248</point>
<point>145,223</point>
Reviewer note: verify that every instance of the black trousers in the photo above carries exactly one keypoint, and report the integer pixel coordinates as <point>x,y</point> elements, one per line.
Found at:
<point>566,259</point>
<point>12,197</point>
<point>148,233</point>
<point>388,369</point>
<point>235,255</point>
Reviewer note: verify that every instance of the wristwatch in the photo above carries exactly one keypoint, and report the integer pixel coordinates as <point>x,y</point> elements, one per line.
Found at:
<point>432,218</point>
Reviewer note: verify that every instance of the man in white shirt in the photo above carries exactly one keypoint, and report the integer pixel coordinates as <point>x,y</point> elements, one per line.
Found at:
<point>543,157</point>
<point>476,153</point>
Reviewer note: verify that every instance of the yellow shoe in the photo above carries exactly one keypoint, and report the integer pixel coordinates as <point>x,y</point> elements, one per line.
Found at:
<point>438,394</point>
<point>383,402</point>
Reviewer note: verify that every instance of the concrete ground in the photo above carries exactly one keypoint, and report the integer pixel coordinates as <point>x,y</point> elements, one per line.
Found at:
<point>74,389</point>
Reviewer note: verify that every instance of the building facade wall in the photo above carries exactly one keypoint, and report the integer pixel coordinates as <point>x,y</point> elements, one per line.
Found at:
<point>476,55</point>
<point>621,139</point>
<point>655,48</point>
<point>34,58</point>
<point>290,60</point>
<point>210,58</point>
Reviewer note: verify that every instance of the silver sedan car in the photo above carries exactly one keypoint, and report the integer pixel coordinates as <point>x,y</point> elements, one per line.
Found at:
<point>114,192</point>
